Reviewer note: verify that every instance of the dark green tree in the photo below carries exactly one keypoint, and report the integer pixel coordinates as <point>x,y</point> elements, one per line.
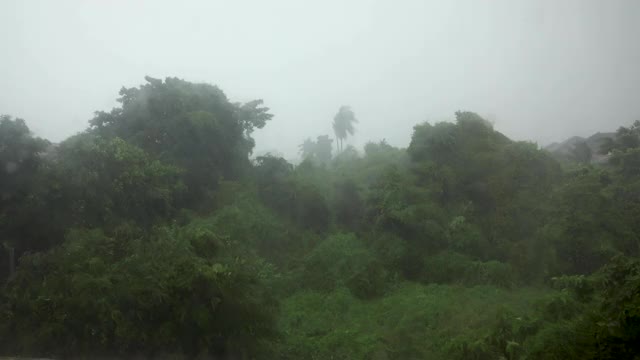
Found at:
<point>193,126</point>
<point>174,290</point>
<point>273,177</point>
<point>20,174</point>
<point>115,181</point>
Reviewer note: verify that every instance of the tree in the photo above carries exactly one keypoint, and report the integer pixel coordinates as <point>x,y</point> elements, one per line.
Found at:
<point>581,152</point>
<point>193,126</point>
<point>307,149</point>
<point>586,226</point>
<point>186,289</point>
<point>343,124</point>
<point>19,159</point>
<point>628,138</point>
<point>115,181</point>
<point>323,149</point>
<point>20,172</point>
<point>624,151</point>
<point>319,150</point>
<point>272,176</point>
<point>348,204</point>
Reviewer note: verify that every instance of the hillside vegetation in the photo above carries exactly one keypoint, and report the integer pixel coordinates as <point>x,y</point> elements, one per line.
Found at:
<point>154,234</point>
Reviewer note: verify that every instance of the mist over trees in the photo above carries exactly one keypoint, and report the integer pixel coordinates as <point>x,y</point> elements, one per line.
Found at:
<point>154,233</point>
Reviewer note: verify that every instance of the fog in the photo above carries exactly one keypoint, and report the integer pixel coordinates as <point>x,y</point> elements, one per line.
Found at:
<point>540,70</point>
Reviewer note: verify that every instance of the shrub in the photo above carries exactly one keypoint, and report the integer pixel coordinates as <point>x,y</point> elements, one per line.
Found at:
<point>99,294</point>
<point>343,260</point>
<point>451,267</point>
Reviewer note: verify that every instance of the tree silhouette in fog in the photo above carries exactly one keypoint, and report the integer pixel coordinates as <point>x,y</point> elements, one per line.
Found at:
<point>343,124</point>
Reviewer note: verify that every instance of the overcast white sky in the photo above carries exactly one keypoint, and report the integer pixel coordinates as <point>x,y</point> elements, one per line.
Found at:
<point>542,70</point>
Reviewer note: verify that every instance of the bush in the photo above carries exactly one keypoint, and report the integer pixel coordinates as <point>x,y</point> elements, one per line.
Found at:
<point>451,267</point>
<point>412,321</point>
<point>581,287</point>
<point>343,260</point>
<point>391,250</point>
<point>466,238</point>
<point>99,294</point>
<point>492,273</point>
<point>256,228</point>
<point>445,267</point>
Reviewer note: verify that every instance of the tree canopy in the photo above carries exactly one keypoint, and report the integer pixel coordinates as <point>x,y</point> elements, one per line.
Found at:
<point>191,125</point>
<point>154,234</point>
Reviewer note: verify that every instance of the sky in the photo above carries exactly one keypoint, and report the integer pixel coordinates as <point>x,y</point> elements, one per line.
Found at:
<point>541,70</point>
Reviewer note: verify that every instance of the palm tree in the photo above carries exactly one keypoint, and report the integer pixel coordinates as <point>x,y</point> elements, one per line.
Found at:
<point>343,124</point>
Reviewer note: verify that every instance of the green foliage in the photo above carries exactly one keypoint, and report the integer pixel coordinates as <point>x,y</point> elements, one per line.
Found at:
<point>581,153</point>
<point>396,205</point>
<point>153,234</point>
<point>297,198</point>
<point>618,328</point>
<point>193,126</point>
<point>344,260</point>
<point>450,267</point>
<point>23,187</point>
<point>18,155</point>
<point>272,176</point>
<point>256,228</point>
<point>411,322</point>
<point>581,287</point>
<point>391,251</point>
<point>318,151</point>
<point>134,292</point>
<point>591,318</point>
<point>587,228</point>
<point>495,193</point>
<point>348,205</point>
<point>465,237</point>
<point>114,180</point>
<point>626,139</point>
<point>378,157</point>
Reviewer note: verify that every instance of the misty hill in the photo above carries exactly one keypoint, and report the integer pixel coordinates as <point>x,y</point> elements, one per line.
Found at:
<point>564,150</point>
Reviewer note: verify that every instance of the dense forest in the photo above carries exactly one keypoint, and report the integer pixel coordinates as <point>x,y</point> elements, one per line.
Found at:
<point>155,233</point>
